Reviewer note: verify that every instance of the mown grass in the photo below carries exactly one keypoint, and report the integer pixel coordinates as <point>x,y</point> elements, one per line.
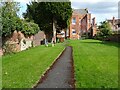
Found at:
<point>23,70</point>
<point>0,72</point>
<point>96,63</point>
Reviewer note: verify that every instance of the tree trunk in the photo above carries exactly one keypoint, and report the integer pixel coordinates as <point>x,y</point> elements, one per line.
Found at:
<point>54,32</point>
<point>65,30</point>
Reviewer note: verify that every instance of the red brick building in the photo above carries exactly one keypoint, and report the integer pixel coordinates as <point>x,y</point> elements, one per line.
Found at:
<point>115,24</point>
<point>94,29</point>
<point>81,24</point>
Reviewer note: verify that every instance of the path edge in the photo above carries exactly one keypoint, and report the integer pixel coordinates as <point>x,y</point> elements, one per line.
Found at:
<point>43,76</point>
<point>72,81</point>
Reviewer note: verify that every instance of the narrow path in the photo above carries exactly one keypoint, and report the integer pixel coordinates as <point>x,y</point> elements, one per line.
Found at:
<point>61,74</point>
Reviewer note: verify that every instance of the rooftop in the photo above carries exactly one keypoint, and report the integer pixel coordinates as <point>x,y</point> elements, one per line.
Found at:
<point>117,21</point>
<point>80,11</point>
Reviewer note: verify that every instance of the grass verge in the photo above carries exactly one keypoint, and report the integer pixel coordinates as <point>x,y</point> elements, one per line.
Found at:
<point>96,63</point>
<point>23,69</point>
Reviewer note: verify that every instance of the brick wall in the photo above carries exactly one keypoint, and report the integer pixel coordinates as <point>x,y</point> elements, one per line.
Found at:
<point>75,26</point>
<point>82,25</point>
<point>94,27</point>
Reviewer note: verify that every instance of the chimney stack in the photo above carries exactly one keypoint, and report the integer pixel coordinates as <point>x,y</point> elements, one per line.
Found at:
<point>93,21</point>
<point>113,21</point>
<point>86,9</point>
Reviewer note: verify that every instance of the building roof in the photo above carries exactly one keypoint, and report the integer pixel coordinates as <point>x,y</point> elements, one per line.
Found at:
<point>80,11</point>
<point>117,21</point>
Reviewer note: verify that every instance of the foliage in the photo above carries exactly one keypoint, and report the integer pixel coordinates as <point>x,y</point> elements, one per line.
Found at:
<point>105,30</point>
<point>45,13</point>
<point>95,65</point>
<point>29,28</point>
<point>10,20</point>
<point>23,69</point>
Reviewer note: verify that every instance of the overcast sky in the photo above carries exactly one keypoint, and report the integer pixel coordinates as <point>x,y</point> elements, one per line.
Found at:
<point>100,9</point>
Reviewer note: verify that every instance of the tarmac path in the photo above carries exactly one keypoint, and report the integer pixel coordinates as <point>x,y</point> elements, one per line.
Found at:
<point>61,73</point>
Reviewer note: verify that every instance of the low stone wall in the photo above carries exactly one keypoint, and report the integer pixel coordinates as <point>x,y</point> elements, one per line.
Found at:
<point>11,47</point>
<point>19,42</point>
<point>25,43</point>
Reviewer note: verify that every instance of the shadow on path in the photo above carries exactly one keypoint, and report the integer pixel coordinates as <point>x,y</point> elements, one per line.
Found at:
<point>61,73</point>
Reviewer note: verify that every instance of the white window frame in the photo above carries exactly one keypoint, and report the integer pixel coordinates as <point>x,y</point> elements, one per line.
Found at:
<point>79,21</point>
<point>73,19</point>
<point>73,31</point>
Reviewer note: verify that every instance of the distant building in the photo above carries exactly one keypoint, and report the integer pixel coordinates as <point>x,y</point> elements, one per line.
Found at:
<point>114,23</point>
<point>81,25</point>
<point>94,29</point>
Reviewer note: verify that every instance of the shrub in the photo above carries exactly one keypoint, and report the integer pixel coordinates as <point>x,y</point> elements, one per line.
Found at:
<point>30,28</point>
<point>105,31</point>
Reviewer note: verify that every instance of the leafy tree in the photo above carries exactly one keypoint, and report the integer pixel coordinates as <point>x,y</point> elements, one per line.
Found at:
<point>30,28</point>
<point>47,14</point>
<point>10,20</point>
<point>105,29</point>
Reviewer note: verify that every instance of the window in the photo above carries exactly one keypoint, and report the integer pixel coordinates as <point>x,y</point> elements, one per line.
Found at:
<point>79,21</point>
<point>89,20</point>
<point>73,32</point>
<point>73,20</point>
<point>119,25</point>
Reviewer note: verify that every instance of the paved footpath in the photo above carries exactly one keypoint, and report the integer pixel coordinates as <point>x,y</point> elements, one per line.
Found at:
<point>61,74</point>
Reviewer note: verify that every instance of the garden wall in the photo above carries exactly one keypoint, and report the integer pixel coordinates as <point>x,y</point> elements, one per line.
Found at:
<point>115,38</point>
<point>19,42</point>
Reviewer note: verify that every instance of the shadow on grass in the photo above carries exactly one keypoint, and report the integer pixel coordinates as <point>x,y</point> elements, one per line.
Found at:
<point>109,43</point>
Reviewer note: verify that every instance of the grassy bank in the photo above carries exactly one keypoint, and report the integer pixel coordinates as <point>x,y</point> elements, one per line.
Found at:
<point>96,63</point>
<point>23,69</point>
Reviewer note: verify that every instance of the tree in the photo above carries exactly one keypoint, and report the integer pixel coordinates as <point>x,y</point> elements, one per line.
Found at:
<point>10,20</point>
<point>49,14</point>
<point>29,28</point>
<point>105,30</point>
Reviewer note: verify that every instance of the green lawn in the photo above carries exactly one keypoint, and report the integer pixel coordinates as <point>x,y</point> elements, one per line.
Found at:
<point>96,63</point>
<point>23,70</point>
<point>0,72</point>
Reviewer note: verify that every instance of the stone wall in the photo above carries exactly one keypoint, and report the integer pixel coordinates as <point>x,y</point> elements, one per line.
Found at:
<point>18,42</point>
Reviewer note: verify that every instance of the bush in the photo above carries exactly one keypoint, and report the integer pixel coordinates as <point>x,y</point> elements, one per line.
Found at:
<point>30,28</point>
<point>105,31</point>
